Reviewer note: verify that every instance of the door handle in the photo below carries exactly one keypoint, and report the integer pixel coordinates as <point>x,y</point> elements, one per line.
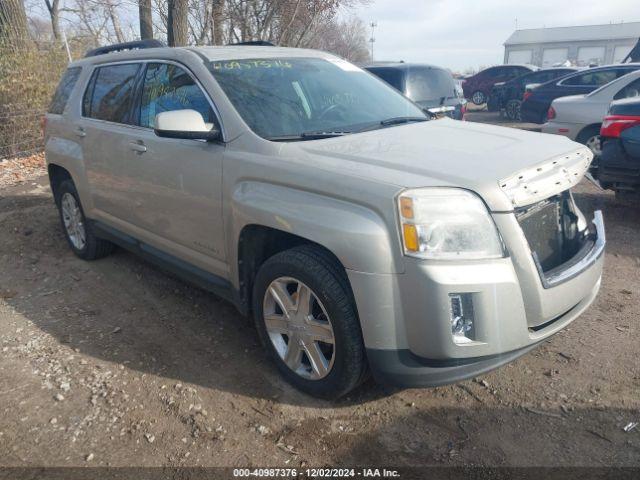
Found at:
<point>137,147</point>
<point>80,132</point>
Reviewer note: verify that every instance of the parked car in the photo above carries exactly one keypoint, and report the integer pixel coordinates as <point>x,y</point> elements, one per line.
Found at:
<point>619,166</point>
<point>433,88</point>
<point>508,95</point>
<point>579,117</point>
<point>360,235</point>
<point>535,106</point>
<point>477,88</point>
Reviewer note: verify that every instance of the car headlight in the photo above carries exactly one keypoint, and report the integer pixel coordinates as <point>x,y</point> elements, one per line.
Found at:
<point>447,224</point>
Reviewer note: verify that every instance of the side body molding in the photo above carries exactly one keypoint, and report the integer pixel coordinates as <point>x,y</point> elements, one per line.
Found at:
<point>353,233</point>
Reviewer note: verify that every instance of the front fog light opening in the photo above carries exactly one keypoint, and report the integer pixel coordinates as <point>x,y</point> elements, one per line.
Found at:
<point>461,318</point>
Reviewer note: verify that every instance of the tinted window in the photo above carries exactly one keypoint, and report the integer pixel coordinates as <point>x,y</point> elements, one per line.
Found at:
<point>631,90</point>
<point>64,89</point>
<point>110,92</point>
<point>291,96</point>
<point>592,79</point>
<point>168,87</point>
<point>429,84</point>
<point>392,76</point>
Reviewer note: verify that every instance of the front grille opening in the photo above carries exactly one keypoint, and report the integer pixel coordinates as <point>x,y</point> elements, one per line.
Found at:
<point>551,229</point>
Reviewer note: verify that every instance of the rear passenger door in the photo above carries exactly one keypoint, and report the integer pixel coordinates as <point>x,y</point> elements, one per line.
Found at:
<point>105,129</point>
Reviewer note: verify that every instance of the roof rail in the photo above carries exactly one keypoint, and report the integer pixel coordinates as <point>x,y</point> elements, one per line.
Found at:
<point>255,43</point>
<point>119,47</point>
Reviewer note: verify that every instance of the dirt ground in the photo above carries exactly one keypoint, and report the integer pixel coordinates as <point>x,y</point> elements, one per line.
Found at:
<point>115,362</point>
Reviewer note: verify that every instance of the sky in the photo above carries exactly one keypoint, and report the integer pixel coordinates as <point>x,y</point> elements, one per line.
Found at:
<point>458,34</point>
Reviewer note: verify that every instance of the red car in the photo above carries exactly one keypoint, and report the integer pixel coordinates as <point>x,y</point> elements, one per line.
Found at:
<point>478,87</point>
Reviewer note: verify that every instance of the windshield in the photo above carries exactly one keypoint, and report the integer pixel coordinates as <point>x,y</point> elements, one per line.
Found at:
<point>428,84</point>
<point>288,97</point>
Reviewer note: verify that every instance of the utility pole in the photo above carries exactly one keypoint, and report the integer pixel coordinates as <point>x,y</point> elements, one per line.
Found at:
<point>372,40</point>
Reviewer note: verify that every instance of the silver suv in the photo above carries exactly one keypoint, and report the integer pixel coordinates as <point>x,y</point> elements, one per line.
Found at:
<point>362,236</point>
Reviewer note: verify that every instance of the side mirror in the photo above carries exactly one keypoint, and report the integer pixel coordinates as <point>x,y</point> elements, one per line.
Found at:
<point>186,124</point>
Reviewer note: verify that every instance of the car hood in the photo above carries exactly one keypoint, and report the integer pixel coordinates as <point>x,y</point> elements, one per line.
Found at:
<point>507,167</point>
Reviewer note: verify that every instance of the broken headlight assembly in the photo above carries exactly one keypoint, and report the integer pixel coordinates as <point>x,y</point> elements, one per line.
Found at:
<point>447,224</point>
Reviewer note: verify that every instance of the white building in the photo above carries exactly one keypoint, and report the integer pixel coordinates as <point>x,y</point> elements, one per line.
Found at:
<point>582,46</point>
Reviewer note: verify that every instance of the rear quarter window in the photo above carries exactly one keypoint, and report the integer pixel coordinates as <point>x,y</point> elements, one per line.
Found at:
<point>63,92</point>
<point>110,93</point>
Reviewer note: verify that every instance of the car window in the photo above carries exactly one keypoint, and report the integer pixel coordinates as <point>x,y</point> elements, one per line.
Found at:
<point>67,82</point>
<point>286,97</point>
<point>425,84</point>
<point>493,72</point>
<point>168,87</point>
<point>392,76</point>
<point>631,90</point>
<point>110,92</point>
<point>592,79</point>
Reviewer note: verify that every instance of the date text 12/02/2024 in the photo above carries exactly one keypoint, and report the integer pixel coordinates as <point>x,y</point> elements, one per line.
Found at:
<point>315,473</point>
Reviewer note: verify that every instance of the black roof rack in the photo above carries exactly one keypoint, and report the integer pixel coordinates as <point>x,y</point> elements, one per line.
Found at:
<point>254,43</point>
<point>119,47</point>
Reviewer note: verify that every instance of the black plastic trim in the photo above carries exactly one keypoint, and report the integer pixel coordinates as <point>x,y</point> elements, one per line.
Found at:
<point>402,368</point>
<point>195,275</point>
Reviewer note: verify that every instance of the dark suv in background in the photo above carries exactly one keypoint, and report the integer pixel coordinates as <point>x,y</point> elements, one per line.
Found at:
<point>433,88</point>
<point>618,167</point>
<point>508,96</point>
<point>535,107</point>
<point>477,88</point>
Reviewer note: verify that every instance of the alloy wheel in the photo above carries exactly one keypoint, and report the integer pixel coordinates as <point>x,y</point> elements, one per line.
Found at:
<point>594,145</point>
<point>73,221</point>
<point>299,328</point>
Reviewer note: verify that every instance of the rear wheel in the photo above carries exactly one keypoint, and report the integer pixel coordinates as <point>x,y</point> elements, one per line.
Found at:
<point>512,110</point>
<point>590,137</point>
<point>307,320</point>
<point>478,97</point>
<point>77,230</point>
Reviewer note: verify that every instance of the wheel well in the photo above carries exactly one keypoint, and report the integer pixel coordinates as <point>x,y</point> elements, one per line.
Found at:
<point>257,244</point>
<point>57,175</point>
<point>582,135</point>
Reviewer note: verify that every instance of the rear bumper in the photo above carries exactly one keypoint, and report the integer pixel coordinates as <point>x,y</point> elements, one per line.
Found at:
<point>569,130</point>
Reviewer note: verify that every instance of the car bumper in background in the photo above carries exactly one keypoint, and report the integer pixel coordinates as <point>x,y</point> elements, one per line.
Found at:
<point>569,130</point>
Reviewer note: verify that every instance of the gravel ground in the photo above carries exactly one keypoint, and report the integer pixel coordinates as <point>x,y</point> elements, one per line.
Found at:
<point>116,363</point>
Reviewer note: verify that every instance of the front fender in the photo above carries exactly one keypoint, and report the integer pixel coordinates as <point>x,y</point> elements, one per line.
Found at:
<point>356,235</point>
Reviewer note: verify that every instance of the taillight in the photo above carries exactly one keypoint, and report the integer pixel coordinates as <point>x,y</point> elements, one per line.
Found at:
<point>551,113</point>
<point>526,95</point>
<point>614,125</point>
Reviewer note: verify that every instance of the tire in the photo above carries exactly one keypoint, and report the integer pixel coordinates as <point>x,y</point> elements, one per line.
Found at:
<point>81,239</point>
<point>590,136</point>
<point>512,109</point>
<point>478,97</point>
<point>332,304</point>
<point>493,104</point>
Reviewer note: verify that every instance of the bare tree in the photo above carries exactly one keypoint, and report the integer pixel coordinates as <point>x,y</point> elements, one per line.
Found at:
<point>53,7</point>
<point>177,23</point>
<point>146,19</point>
<point>218,22</point>
<point>110,8</point>
<point>13,21</point>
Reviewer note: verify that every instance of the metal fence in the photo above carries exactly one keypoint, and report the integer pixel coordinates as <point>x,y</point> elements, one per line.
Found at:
<point>29,74</point>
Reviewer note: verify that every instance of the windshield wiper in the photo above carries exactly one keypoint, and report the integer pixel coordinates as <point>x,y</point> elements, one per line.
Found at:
<point>400,120</point>
<point>308,136</point>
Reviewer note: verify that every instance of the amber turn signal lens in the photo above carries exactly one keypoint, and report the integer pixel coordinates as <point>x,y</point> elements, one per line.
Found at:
<point>410,237</point>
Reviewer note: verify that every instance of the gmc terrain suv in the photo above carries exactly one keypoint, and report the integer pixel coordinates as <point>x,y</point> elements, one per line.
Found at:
<point>361,236</point>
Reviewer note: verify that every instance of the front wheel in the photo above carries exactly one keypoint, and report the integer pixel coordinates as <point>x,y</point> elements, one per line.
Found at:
<point>306,318</point>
